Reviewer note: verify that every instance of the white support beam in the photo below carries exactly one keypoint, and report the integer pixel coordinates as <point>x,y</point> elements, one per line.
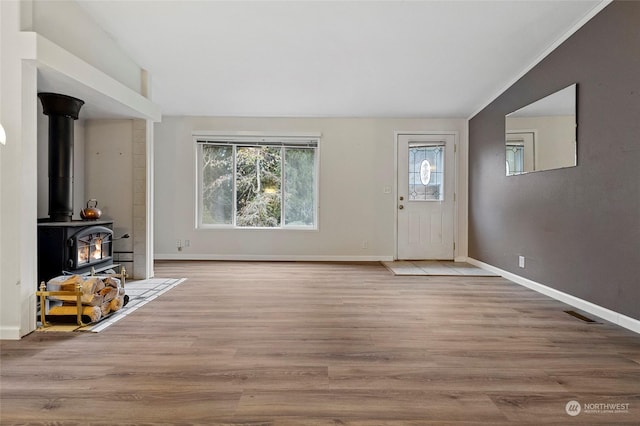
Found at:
<point>80,79</point>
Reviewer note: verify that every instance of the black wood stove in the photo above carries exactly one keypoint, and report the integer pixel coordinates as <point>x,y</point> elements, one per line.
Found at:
<point>74,247</point>
<point>65,245</point>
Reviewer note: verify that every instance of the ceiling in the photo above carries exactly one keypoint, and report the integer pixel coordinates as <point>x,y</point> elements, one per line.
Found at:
<point>333,58</point>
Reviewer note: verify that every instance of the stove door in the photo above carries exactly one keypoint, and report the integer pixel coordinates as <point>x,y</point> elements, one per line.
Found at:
<point>90,246</point>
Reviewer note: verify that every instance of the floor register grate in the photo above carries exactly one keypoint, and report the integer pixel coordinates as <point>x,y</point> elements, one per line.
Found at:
<point>581,317</point>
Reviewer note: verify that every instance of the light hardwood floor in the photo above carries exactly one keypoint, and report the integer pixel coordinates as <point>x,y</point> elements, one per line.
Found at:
<point>325,344</point>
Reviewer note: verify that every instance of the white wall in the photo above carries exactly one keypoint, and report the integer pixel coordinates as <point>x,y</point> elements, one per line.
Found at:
<point>65,23</point>
<point>18,166</point>
<point>109,174</point>
<point>356,163</point>
<point>2,198</point>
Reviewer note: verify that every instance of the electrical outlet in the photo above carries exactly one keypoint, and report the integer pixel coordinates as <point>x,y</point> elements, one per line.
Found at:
<point>365,244</point>
<point>187,243</point>
<point>521,261</point>
<point>178,243</point>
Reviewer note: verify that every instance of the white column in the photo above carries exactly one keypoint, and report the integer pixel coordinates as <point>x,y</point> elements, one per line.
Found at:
<point>18,176</point>
<point>149,199</point>
<point>139,200</point>
<point>146,269</point>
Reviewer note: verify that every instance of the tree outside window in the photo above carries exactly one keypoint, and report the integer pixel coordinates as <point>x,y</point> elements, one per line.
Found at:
<point>257,186</point>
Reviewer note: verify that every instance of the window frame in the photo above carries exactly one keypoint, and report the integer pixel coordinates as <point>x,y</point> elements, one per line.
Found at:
<point>257,139</point>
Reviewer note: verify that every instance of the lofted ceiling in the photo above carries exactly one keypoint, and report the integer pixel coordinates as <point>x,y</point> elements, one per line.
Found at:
<point>334,58</point>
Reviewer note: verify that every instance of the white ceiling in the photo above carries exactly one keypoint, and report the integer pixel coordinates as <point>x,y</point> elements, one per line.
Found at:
<point>333,58</point>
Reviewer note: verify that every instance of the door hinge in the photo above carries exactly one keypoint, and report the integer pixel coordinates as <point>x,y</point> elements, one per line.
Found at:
<point>454,196</point>
<point>454,245</point>
<point>455,148</point>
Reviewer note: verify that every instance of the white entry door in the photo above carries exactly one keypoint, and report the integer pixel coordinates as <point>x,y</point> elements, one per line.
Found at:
<point>425,194</point>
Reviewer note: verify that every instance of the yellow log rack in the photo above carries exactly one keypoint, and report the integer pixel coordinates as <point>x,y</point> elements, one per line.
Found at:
<point>43,294</point>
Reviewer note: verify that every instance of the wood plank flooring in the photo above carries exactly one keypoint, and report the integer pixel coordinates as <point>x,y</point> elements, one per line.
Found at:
<point>325,344</point>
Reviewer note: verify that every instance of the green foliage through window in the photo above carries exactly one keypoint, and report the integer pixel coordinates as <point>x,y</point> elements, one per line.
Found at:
<point>299,186</point>
<point>258,179</point>
<point>257,185</point>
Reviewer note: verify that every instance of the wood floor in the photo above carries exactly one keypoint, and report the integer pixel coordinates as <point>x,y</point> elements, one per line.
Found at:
<point>326,344</point>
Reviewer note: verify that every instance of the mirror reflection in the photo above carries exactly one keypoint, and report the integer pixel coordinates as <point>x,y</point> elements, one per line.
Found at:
<point>542,135</point>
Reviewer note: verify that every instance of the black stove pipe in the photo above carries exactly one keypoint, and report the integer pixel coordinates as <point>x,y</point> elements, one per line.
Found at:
<point>62,111</point>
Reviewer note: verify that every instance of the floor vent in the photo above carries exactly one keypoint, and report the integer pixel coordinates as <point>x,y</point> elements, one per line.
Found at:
<point>581,317</point>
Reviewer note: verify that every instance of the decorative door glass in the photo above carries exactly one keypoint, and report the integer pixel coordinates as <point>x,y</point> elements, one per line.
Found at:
<point>515,159</point>
<point>426,172</point>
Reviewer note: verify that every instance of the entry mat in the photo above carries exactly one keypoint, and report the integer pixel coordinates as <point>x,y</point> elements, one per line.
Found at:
<point>140,293</point>
<point>436,267</point>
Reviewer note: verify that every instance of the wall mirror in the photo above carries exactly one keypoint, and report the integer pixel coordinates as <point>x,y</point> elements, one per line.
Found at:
<point>542,135</point>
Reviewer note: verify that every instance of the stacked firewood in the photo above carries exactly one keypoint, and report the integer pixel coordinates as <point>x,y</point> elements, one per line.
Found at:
<point>101,295</point>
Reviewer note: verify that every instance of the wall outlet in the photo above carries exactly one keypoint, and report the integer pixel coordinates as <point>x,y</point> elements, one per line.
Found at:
<point>178,243</point>
<point>187,243</point>
<point>365,244</point>
<point>521,261</point>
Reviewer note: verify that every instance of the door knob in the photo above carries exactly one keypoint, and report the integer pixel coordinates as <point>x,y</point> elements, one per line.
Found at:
<point>401,198</point>
<point>401,207</point>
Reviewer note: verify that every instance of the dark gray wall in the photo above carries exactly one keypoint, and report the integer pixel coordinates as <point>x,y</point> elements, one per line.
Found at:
<point>579,227</point>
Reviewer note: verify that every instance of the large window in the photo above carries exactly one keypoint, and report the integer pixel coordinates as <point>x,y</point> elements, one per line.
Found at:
<point>257,182</point>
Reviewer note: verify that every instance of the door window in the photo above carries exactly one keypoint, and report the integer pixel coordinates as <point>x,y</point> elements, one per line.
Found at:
<point>426,172</point>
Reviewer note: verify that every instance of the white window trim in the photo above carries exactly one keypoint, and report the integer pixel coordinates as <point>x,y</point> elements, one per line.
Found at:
<point>231,134</point>
<point>246,138</point>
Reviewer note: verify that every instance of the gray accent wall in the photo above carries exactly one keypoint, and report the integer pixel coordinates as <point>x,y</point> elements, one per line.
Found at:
<point>578,227</point>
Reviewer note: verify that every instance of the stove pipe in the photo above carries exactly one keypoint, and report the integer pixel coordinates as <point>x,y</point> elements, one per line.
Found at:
<point>62,111</point>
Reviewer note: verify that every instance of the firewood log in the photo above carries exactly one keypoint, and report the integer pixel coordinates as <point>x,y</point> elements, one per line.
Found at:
<point>116,304</point>
<point>93,312</point>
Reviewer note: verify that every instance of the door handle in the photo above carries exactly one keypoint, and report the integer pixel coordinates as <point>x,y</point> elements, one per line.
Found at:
<point>401,207</point>
<point>401,198</point>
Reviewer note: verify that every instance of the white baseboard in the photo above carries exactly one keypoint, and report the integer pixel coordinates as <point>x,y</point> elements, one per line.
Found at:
<point>599,311</point>
<point>9,333</point>
<point>272,258</point>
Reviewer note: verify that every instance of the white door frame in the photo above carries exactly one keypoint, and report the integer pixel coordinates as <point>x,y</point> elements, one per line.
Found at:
<point>454,173</point>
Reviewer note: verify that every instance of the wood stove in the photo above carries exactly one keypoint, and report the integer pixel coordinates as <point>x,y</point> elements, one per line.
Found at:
<point>74,247</point>
<point>66,245</point>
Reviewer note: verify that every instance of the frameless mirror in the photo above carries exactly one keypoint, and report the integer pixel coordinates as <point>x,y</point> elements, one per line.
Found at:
<point>542,135</point>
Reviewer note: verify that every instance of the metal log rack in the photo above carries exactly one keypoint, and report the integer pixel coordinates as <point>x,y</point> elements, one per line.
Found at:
<point>43,294</point>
